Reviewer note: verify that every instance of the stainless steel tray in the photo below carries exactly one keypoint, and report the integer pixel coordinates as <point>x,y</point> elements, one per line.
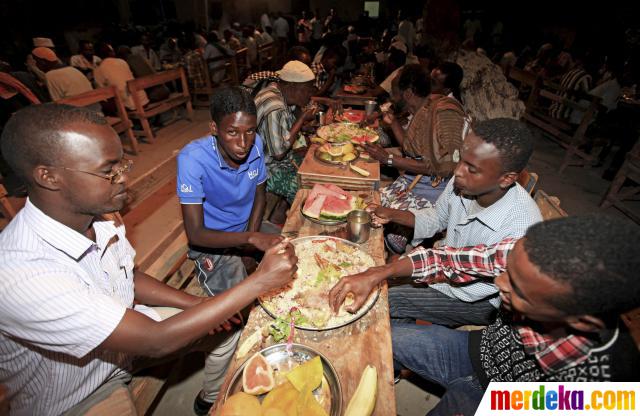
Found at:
<point>330,392</point>
<point>373,298</point>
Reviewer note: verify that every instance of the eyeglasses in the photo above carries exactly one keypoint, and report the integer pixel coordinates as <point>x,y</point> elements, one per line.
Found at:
<point>113,176</point>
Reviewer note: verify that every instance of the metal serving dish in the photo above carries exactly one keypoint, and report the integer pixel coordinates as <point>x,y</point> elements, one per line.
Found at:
<point>322,222</point>
<point>329,394</point>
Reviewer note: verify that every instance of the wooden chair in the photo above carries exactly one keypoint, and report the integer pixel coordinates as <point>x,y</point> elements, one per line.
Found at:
<point>266,56</point>
<point>526,82</point>
<point>528,180</point>
<point>120,123</point>
<point>561,132</point>
<point>243,66</point>
<point>549,205</point>
<point>617,193</point>
<point>152,109</point>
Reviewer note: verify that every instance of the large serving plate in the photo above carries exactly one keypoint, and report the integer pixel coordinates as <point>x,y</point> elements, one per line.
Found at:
<point>330,132</point>
<point>279,304</point>
<point>318,152</point>
<point>329,394</point>
<point>321,221</point>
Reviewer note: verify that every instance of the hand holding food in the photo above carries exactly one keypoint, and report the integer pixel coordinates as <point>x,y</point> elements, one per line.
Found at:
<point>355,289</point>
<point>379,215</point>
<point>377,152</point>
<point>262,241</point>
<point>278,266</point>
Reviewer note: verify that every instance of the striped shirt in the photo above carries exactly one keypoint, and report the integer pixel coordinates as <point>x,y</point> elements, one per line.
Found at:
<point>275,119</point>
<point>62,296</point>
<point>468,224</point>
<point>573,81</point>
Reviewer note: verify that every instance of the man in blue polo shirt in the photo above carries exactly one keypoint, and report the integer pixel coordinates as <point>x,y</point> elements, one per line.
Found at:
<point>221,185</point>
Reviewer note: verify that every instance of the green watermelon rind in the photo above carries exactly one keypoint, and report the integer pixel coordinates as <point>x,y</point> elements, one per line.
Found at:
<point>339,216</point>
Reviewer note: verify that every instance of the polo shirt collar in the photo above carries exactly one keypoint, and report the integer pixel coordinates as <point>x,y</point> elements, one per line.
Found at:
<point>253,155</point>
<point>63,238</point>
<point>493,215</point>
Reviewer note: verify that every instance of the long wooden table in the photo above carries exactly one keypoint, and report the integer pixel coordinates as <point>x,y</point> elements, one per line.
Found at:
<point>350,348</point>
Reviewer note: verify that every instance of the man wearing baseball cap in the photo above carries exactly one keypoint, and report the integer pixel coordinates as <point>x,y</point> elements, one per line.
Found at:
<point>62,81</point>
<point>280,128</point>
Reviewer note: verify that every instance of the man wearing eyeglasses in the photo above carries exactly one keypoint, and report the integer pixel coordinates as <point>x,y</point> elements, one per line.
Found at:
<point>70,334</point>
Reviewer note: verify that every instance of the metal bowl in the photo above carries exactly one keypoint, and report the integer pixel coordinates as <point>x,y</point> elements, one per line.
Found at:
<point>278,357</point>
<point>322,222</point>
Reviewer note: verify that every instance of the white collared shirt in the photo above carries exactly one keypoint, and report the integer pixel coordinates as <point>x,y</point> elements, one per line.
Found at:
<point>468,224</point>
<point>62,296</point>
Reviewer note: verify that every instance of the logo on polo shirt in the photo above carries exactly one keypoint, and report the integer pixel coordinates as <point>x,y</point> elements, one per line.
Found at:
<point>186,188</point>
<point>253,173</point>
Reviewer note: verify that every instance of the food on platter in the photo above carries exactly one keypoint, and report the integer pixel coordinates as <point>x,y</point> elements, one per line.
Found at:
<point>345,132</point>
<point>241,404</point>
<point>338,153</point>
<point>257,376</point>
<point>355,89</point>
<point>322,262</point>
<point>329,202</point>
<point>350,116</point>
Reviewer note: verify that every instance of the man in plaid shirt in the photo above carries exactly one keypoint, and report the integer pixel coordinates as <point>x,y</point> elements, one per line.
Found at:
<point>562,288</point>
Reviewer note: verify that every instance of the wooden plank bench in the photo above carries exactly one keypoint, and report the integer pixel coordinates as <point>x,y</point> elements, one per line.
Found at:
<point>266,56</point>
<point>120,122</point>
<point>174,100</point>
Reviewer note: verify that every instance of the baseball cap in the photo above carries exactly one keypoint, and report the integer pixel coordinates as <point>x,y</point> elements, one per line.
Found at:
<point>45,53</point>
<point>296,71</point>
<point>43,42</point>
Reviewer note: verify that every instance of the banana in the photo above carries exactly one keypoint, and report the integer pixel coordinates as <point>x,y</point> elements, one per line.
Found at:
<point>364,399</point>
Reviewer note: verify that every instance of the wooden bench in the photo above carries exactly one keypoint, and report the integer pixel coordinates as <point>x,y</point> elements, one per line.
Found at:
<point>230,77</point>
<point>266,56</point>
<point>617,192</point>
<point>526,82</point>
<point>549,206</point>
<point>565,134</point>
<point>153,109</point>
<point>243,66</point>
<point>120,123</point>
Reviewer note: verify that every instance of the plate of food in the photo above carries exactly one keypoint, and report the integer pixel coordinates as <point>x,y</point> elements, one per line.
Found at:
<point>329,204</point>
<point>336,153</point>
<point>282,379</point>
<point>322,262</point>
<point>347,132</point>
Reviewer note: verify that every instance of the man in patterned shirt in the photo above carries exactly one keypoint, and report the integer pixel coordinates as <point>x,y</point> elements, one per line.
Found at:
<point>482,204</point>
<point>563,287</point>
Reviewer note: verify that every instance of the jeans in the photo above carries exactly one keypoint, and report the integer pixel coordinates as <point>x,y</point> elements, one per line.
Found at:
<point>418,301</point>
<point>440,355</point>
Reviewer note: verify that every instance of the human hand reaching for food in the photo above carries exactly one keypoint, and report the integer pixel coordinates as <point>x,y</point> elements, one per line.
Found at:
<point>354,290</point>
<point>262,241</point>
<point>379,214</point>
<point>277,267</point>
<point>376,152</point>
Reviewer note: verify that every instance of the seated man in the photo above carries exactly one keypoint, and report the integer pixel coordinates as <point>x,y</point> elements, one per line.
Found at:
<point>62,81</point>
<point>325,71</point>
<point>563,287</point>
<point>221,186</point>
<point>279,126</point>
<point>72,324</point>
<point>482,204</point>
<point>85,61</point>
<point>145,49</point>
<point>258,80</point>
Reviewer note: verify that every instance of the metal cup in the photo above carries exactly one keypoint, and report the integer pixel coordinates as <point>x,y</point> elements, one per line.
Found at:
<point>321,118</point>
<point>370,107</point>
<point>358,226</point>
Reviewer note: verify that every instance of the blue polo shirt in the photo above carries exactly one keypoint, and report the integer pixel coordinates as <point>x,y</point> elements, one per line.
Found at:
<point>226,194</point>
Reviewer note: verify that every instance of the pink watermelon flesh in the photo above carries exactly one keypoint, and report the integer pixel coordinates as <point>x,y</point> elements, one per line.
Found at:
<point>312,207</point>
<point>336,209</point>
<point>324,190</point>
<point>337,189</point>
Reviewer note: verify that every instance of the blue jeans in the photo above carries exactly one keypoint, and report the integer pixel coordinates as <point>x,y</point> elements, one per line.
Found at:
<point>440,355</point>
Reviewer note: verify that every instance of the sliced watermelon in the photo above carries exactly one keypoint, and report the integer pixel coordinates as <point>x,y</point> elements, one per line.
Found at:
<point>337,209</point>
<point>337,189</point>
<point>323,190</point>
<point>312,207</point>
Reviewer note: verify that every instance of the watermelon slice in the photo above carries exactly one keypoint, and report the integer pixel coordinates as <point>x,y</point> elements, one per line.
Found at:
<point>312,207</point>
<point>324,190</point>
<point>338,190</point>
<point>337,209</point>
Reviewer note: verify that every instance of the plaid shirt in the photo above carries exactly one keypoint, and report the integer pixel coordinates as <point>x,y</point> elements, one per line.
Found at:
<point>463,266</point>
<point>196,69</point>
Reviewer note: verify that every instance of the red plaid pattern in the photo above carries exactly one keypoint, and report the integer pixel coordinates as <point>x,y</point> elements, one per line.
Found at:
<point>461,266</point>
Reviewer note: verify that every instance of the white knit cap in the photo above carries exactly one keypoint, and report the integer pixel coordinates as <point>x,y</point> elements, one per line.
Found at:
<point>296,71</point>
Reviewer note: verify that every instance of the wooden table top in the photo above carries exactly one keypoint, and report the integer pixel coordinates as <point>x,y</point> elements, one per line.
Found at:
<point>314,171</point>
<point>354,99</point>
<point>350,348</point>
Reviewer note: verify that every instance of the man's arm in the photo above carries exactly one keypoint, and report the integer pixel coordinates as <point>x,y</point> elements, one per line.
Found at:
<point>149,291</point>
<point>199,235</point>
<point>255,220</point>
<point>137,334</point>
<point>460,265</point>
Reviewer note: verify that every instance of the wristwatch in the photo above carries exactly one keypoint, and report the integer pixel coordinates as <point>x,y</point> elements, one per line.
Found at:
<point>390,159</point>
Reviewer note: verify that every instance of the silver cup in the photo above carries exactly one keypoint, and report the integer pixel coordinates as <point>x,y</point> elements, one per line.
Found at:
<point>358,226</point>
<point>370,107</point>
<point>321,118</point>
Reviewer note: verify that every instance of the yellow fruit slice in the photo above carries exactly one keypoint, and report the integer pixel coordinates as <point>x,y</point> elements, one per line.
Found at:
<point>307,375</point>
<point>335,150</point>
<point>348,148</point>
<point>257,376</point>
<point>283,398</point>
<point>348,157</point>
<point>363,400</point>
<point>359,170</point>
<point>318,140</point>
<point>241,404</point>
